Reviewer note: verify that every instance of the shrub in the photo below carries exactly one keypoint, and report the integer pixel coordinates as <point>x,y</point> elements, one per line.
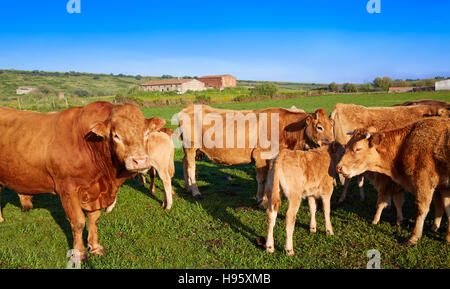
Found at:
<point>81,93</point>
<point>120,98</point>
<point>265,89</point>
<point>350,87</point>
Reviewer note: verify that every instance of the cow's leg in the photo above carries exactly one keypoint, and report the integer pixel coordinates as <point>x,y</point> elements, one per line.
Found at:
<point>382,203</point>
<point>261,174</point>
<point>77,222</point>
<point>438,210</point>
<point>423,201</point>
<point>326,200</point>
<point>141,179</point>
<point>93,242</point>
<point>361,188</point>
<point>344,191</point>
<point>25,202</point>
<point>1,215</point>
<point>446,201</point>
<point>312,211</point>
<point>291,215</point>
<point>398,202</point>
<point>111,207</point>
<point>189,173</point>
<point>152,174</point>
<point>272,212</point>
<point>165,178</point>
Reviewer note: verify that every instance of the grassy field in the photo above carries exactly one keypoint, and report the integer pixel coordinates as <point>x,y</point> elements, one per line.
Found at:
<point>220,231</point>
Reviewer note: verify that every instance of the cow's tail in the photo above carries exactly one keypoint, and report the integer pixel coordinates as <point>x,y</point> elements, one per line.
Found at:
<point>273,188</point>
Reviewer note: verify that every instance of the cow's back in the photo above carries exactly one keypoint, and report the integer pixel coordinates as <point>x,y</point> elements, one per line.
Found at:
<point>348,117</point>
<point>25,138</point>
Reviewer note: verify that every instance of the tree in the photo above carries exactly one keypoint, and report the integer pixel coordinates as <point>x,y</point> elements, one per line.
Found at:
<point>350,87</point>
<point>333,87</point>
<point>366,87</point>
<point>382,83</point>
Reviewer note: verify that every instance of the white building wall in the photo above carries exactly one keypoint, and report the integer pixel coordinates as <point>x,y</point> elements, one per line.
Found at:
<point>443,85</point>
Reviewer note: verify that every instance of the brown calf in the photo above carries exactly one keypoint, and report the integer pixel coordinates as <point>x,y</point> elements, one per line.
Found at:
<point>300,174</point>
<point>416,156</point>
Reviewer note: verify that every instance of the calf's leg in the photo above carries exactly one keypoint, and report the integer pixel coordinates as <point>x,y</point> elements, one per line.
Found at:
<point>141,179</point>
<point>423,201</point>
<point>398,202</point>
<point>344,191</point>
<point>383,198</point>
<point>152,174</point>
<point>446,200</point>
<point>272,212</point>
<point>326,211</point>
<point>361,188</point>
<point>25,202</point>
<point>291,214</point>
<point>165,178</point>
<point>93,241</point>
<point>438,211</point>
<point>189,173</point>
<point>312,211</point>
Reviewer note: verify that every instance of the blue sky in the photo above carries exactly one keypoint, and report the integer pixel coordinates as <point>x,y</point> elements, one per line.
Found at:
<point>305,41</point>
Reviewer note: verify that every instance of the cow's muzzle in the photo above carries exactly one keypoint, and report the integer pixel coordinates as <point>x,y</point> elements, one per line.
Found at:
<point>137,163</point>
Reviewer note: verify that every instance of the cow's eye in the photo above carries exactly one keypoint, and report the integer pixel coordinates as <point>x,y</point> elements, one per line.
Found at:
<point>117,137</point>
<point>319,128</point>
<point>358,150</point>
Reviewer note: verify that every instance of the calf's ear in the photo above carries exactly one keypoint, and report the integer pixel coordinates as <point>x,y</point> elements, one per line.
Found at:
<point>155,123</point>
<point>309,119</point>
<point>100,129</point>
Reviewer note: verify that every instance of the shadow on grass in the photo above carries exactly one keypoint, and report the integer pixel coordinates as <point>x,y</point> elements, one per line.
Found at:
<point>49,202</point>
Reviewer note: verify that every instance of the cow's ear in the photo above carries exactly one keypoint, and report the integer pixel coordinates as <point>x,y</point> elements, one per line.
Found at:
<point>155,123</point>
<point>100,129</point>
<point>334,147</point>
<point>309,119</point>
<point>375,139</point>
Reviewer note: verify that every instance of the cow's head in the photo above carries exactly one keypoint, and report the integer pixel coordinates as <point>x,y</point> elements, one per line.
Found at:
<point>360,152</point>
<point>127,131</point>
<point>319,128</point>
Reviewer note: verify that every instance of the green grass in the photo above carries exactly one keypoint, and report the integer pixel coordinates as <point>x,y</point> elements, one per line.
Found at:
<point>220,231</point>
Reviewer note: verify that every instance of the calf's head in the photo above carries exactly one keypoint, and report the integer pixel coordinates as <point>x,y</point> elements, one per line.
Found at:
<point>360,153</point>
<point>319,128</point>
<point>127,131</point>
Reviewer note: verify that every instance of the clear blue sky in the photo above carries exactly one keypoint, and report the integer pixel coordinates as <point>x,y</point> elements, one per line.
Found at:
<point>306,41</point>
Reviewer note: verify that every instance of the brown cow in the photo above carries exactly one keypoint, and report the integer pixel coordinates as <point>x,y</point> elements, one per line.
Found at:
<point>417,157</point>
<point>240,137</point>
<point>82,154</point>
<point>300,174</point>
<point>432,102</point>
<point>348,117</point>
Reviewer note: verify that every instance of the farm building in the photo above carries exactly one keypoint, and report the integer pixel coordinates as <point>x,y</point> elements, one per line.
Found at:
<point>443,85</point>
<point>180,85</point>
<point>25,89</point>
<point>400,89</point>
<point>218,81</point>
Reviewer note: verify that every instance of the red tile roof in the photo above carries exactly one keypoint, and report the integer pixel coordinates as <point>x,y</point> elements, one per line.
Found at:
<point>166,81</point>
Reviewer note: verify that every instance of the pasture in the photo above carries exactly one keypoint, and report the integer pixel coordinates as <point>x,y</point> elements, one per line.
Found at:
<point>220,231</point>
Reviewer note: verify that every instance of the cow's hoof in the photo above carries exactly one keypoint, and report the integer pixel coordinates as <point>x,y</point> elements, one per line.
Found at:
<point>26,209</point>
<point>330,233</point>
<point>2,220</point>
<point>362,199</point>
<point>198,197</point>
<point>270,249</point>
<point>398,222</point>
<point>411,242</point>
<point>312,230</point>
<point>153,192</point>
<point>290,252</point>
<point>374,222</point>
<point>434,228</point>
<point>165,207</point>
<point>447,238</point>
<point>98,251</point>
